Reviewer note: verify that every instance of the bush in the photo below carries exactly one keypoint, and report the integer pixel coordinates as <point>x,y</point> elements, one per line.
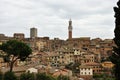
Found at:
<point>61,77</point>
<point>9,76</point>
<point>1,76</point>
<point>27,76</point>
<point>43,76</point>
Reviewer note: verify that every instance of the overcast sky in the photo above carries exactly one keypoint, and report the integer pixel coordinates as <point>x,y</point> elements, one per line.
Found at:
<point>91,18</point>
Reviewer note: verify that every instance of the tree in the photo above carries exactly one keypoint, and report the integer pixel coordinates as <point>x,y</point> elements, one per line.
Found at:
<point>74,67</point>
<point>43,76</point>
<point>61,77</point>
<point>27,76</point>
<point>1,76</point>
<point>115,57</point>
<point>9,76</point>
<point>15,50</point>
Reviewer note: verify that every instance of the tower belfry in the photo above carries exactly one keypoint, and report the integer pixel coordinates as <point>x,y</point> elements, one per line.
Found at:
<point>70,29</point>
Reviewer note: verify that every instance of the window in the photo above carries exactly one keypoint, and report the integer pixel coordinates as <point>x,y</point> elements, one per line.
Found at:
<point>81,72</point>
<point>89,72</point>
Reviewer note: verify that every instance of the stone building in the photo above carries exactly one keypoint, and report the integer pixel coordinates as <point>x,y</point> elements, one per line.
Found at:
<point>33,33</point>
<point>19,36</point>
<point>86,72</point>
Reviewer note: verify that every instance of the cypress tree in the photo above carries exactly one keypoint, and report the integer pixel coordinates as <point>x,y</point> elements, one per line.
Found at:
<point>115,57</point>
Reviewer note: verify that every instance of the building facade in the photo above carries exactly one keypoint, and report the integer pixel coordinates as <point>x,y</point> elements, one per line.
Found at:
<point>19,35</point>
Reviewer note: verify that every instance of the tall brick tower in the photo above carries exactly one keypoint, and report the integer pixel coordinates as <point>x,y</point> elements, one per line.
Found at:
<point>70,30</point>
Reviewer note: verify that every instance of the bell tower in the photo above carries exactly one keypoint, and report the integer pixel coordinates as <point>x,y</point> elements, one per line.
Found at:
<point>70,30</point>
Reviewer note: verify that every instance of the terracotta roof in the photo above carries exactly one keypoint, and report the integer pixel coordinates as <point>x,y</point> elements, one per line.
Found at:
<point>92,64</point>
<point>61,72</point>
<point>83,66</point>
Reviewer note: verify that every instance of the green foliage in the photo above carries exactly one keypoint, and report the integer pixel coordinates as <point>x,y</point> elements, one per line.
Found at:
<point>74,67</point>
<point>38,76</point>
<point>15,50</point>
<point>9,76</point>
<point>103,76</point>
<point>1,75</point>
<point>115,57</point>
<point>27,76</point>
<point>97,76</point>
<point>43,76</point>
<point>61,77</point>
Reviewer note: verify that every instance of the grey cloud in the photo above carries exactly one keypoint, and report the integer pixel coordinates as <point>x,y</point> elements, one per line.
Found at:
<point>79,9</point>
<point>51,16</point>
